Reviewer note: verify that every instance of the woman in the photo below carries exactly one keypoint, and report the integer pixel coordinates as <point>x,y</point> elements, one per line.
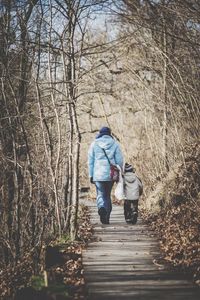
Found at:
<point>103,151</point>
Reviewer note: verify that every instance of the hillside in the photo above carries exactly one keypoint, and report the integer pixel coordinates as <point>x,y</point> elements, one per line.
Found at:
<point>173,210</point>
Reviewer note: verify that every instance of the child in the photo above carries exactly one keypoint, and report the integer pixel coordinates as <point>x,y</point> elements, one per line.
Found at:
<point>133,189</point>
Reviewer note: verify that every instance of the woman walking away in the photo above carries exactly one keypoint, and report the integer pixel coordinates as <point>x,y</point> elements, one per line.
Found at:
<point>133,189</point>
<point>103,152</point>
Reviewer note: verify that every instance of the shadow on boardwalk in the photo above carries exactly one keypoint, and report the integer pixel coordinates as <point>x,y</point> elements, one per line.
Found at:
<point>121,263</point>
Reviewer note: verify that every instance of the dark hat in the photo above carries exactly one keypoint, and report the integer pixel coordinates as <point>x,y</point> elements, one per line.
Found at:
<point>104,131</point>
<point>128,168</point>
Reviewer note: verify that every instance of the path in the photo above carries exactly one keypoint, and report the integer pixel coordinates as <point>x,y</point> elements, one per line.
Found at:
<point>122,264</point>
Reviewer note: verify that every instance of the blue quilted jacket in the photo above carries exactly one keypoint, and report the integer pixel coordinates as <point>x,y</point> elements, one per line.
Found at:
<point>99,167</point>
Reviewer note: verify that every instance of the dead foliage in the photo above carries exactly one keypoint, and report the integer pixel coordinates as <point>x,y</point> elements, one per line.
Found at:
<point>63,264</point>
<point>70,270</point>
<point>178,223</point>
<point>15,277</point>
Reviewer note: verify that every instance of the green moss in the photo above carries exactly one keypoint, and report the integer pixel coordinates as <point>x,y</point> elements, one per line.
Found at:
<point>62,241</point>
<point>37,282</point>
<point>58,289</point>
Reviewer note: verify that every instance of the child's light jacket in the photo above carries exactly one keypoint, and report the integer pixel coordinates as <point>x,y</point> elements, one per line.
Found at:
<point>132,186</point>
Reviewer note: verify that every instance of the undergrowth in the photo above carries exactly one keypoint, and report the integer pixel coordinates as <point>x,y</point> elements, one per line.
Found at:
<point>178,223</point>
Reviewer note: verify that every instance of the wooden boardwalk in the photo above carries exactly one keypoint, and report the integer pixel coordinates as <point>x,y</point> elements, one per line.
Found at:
<point>122,263</point>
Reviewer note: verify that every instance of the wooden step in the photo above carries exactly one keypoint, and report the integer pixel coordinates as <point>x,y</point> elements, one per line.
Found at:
<point>123,262</point>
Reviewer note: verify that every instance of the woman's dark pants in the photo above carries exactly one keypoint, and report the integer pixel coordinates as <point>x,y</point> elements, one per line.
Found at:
<point>104,203</point>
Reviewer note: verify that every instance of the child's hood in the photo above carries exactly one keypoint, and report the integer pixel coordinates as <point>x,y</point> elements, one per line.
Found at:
<point>129,177</point>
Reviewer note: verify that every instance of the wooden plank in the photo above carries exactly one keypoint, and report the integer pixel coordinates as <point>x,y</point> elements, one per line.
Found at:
<point>121,263</point>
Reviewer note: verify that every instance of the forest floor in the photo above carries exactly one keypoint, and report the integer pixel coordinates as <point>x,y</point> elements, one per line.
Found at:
<point>148,260</point>
<point>173,212</point>
<point>62,277</point>
<point>115,261</point>
<point>124,262</point>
